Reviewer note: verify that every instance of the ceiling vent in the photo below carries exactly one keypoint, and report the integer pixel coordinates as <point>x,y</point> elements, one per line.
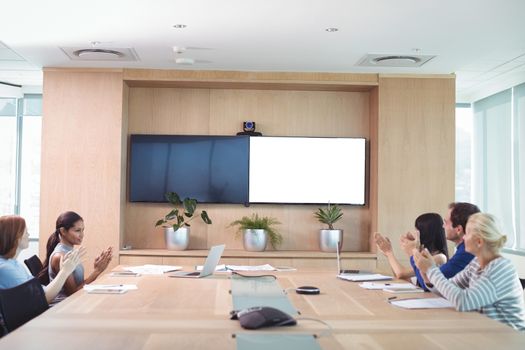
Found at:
<point>100,54</point>
<point>382,60</point>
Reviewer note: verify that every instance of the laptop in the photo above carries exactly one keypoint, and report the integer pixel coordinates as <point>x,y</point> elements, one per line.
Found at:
<point>209,266</point>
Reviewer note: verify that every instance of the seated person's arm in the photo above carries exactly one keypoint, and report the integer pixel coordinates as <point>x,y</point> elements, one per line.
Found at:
<point>69,262</point>
<point>385,246</point>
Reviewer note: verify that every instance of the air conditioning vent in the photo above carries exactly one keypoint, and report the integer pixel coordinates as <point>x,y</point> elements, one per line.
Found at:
<point>100,54</point>
<point>382,60</point>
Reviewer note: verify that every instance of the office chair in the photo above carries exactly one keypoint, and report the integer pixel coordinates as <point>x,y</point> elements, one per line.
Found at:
<point>522,280</point>
<point>22,303</point>
<point>34,265</point>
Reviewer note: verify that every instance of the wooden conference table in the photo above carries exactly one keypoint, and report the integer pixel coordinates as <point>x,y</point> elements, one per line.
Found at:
<point>179,313</point>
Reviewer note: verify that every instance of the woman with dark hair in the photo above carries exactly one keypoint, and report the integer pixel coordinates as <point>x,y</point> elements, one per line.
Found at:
<point>13,239</point>
<point>431,234</point>
<point>69,231</point>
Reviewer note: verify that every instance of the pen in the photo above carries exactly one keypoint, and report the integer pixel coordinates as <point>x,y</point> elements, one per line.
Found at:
<point>392,298</point>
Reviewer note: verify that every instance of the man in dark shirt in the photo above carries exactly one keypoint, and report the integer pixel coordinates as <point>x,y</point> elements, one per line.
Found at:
<point>454,224</point>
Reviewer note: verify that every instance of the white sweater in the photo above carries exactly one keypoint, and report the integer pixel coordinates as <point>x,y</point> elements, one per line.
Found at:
<point>494,291</point>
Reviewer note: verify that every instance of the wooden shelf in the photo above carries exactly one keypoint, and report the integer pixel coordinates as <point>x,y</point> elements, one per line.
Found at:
<point>281,254</point>
<point>295,258</point>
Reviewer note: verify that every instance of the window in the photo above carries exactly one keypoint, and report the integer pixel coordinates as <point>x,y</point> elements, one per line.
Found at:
<point>464,130</point>
<point>498,169</point>
<point>8,146</point>
<point>20,138</point>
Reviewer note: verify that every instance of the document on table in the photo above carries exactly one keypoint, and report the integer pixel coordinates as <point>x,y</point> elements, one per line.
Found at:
<point>109,288</point>
<point>422,303</point>
<point>265,267</point>
<point>361,277</point>
<point>149,269</point>
<point>376,285</point>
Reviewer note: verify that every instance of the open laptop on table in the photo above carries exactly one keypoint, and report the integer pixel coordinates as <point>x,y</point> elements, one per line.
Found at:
<point>209,266</point>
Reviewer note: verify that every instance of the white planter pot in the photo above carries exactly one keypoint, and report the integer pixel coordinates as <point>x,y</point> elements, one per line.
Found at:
<point>255,240</point>
<point>177,240</point>
<point>328,240</point>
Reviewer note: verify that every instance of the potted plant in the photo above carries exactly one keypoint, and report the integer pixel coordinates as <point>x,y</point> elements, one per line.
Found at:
<point>257,231</point>
<point>329,238</point>
<point>176,222</point>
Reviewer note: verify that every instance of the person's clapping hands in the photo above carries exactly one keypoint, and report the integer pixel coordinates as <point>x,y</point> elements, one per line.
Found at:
<point>383,243</point>
<point>409,241</point>
<point>103,260</point>
<point>70,261</point>
<point>424,260</point>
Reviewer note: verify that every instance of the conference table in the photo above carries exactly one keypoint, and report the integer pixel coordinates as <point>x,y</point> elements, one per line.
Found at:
<point>181,313</point>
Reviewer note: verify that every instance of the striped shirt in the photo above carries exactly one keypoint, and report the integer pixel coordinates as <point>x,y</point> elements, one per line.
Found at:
<point>494,291</point>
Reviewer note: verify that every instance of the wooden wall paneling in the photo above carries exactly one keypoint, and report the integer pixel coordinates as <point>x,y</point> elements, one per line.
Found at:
<point>128,260</point>
<point>81,155</point>
<point>221,112</point>
<point>168,111</point>
<point>416,142</point>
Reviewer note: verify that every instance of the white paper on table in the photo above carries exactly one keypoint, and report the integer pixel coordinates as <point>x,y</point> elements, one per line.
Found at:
<point>217,268</point>
<point>422,303</point>
<point>266,267</point>
<point>376,285</point>
<point>149,269</point>
<point>364,277</point>
<point>403,290</point>
<point>109,288</point>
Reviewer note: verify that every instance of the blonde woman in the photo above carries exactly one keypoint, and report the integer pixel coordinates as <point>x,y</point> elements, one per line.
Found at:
<point>489,284</point>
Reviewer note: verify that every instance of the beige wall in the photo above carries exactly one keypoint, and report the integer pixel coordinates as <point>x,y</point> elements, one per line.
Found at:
<point>408,120</point>
<point>416,157</point>
<point>81,155</point>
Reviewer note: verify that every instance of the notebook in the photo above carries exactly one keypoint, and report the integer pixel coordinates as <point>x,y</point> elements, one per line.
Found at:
<point>356,275</point>
<point>209,266</point>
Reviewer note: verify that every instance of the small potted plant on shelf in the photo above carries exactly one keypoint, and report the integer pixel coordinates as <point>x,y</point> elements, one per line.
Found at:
<point>176,222</point>
<point>257,231</point>
<point>329,238</point>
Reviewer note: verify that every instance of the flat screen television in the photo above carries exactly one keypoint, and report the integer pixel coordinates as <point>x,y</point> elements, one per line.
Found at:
<point>211,169</point>
<point>307,170</point>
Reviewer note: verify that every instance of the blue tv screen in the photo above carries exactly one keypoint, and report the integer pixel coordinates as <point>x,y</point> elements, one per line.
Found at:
<point>211,169</point>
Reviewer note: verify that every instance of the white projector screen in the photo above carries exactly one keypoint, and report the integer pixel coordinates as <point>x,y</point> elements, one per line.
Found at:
<point>307,170</point>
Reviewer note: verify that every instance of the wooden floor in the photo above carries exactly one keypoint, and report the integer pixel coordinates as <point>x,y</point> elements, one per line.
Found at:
<point>178,313</point>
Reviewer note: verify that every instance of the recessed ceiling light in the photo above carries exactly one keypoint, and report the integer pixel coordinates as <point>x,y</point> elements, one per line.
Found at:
<point>332,30</point>
<point>179,26</point>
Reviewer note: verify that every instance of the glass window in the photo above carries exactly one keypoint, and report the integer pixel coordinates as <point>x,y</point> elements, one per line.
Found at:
<point>498,168</point>
<point>30,173</point>
<point>464,129</point>
<point>7,155</point>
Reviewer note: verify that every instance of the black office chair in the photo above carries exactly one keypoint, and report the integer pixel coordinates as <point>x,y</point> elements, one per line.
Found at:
<point>35,267</point>
<point>22,303</point>
<point>522,280</point>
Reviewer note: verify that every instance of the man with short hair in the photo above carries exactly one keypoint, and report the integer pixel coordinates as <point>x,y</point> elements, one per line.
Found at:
<point>454,224</point>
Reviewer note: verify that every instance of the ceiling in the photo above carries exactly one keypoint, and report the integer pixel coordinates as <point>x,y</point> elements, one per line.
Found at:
<point>481,41</point>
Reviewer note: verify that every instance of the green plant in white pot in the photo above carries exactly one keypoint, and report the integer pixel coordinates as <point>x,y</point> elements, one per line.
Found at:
<point>329,238</point>
<point>176,222</point>
<point>257,231</point>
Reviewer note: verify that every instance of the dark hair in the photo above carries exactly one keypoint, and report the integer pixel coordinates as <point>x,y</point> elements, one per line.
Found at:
<point>65,220</point>
<point>431,233</point>
<point>460,213</point>
<point>12,227</point>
